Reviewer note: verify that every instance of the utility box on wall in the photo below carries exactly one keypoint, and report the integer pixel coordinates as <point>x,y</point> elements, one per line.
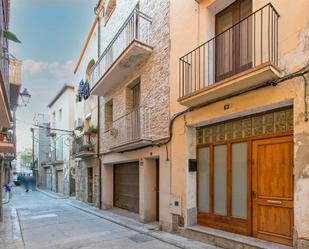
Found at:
<point>175,204</point>
<point>192,165</point>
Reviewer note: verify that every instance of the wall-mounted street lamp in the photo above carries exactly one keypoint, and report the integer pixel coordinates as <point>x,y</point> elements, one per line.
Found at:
<point>25,97</point>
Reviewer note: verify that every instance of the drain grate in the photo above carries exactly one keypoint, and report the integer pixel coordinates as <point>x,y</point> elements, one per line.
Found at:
<point>140,238</point>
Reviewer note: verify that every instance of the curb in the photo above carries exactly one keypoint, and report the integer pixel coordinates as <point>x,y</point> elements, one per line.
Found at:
<point>54,196</point>
<point>20,229</point>
<point>157,235</point>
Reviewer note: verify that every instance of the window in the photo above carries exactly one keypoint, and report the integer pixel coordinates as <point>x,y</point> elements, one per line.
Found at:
<point>54,119</point>
<point>109,9</point>
<point>108,115</point>
<point>88,70</point>
<point>60,114</point>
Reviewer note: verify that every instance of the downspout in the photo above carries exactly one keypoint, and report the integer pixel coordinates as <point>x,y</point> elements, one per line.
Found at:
<point>305,98</point>
<point>98,133</point>
<point>98,156</point>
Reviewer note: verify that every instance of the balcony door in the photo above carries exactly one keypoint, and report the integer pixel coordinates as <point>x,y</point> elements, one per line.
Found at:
<point>233,42</point>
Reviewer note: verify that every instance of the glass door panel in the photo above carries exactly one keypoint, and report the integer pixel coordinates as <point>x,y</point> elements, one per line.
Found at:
<point>239,180</point>
<point>220,171</point>
<point>203,179</point>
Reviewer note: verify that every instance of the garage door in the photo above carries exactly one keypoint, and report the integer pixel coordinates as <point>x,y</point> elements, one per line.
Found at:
<point>126,186</point>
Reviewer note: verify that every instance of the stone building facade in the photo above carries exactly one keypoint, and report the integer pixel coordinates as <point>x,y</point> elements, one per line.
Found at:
<point>82,181</point>
<point>134,106</point>
<point>87,163</point>
<point>42,146</point>
<point>86,130</point>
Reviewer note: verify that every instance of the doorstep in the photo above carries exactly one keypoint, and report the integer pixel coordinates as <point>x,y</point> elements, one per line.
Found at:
<point>226,239</point>
<point>125,213</point>
<point>146,229</point>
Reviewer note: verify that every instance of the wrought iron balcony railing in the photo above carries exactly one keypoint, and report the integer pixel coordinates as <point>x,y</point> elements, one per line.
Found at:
<point>132,127</point>
<point>56,156</point>
<point>84,145</point>
<point>135,28</point>
<point>249,43</point>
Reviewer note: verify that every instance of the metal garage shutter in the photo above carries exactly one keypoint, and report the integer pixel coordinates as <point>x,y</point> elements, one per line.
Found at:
<point>126,186</point>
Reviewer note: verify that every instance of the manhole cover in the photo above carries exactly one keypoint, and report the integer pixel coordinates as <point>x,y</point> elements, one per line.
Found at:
<point>140,238</point>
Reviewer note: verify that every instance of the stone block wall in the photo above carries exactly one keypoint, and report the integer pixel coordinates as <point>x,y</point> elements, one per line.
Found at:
<point>153,73</point>
<point>81,178</point>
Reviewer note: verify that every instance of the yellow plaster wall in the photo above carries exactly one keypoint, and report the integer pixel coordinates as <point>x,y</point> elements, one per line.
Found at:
<point>188,30</point>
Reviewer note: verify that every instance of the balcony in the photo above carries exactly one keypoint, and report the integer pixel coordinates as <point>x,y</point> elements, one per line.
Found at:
<point>5,117</point>
<point>15,81</point>
<point>240,58</point>
<point>131,131</point>
<point>55,157</point>
<point>128,49</point>
<point>7,146</point>
<point>84,146</point>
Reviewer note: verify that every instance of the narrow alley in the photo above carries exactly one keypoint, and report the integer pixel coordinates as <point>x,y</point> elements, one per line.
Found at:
<point>154,124</point>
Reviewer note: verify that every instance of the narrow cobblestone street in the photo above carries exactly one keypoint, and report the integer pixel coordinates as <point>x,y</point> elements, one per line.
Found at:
<point>34,220</point>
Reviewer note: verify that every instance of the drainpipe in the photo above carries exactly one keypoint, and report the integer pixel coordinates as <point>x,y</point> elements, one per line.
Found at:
<point>98,125</point>
<point>98,155</point>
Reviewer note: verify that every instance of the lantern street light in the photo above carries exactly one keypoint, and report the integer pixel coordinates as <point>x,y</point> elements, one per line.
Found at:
<point>25,97</point>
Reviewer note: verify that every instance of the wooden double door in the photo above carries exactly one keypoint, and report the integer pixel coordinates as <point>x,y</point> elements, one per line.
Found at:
<point>246,186</point>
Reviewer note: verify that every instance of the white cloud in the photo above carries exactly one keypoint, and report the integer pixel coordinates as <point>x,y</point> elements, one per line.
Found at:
<point>26,3</point>
<point>56,70</point>
<point>34,67</point>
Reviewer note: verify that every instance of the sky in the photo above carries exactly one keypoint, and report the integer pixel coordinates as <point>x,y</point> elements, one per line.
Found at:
<point>53,33</point>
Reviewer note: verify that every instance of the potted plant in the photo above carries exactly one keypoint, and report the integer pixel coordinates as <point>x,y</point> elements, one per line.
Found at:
<point>92,129</point>
<point>3,134</point>
<point>89,146</point>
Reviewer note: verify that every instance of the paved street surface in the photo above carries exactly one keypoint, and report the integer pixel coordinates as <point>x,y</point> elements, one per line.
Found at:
<point>45,222</point>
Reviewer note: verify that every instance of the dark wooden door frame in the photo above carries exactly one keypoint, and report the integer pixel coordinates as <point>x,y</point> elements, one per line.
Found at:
<point>90,184</point>
<point>157,189</point>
